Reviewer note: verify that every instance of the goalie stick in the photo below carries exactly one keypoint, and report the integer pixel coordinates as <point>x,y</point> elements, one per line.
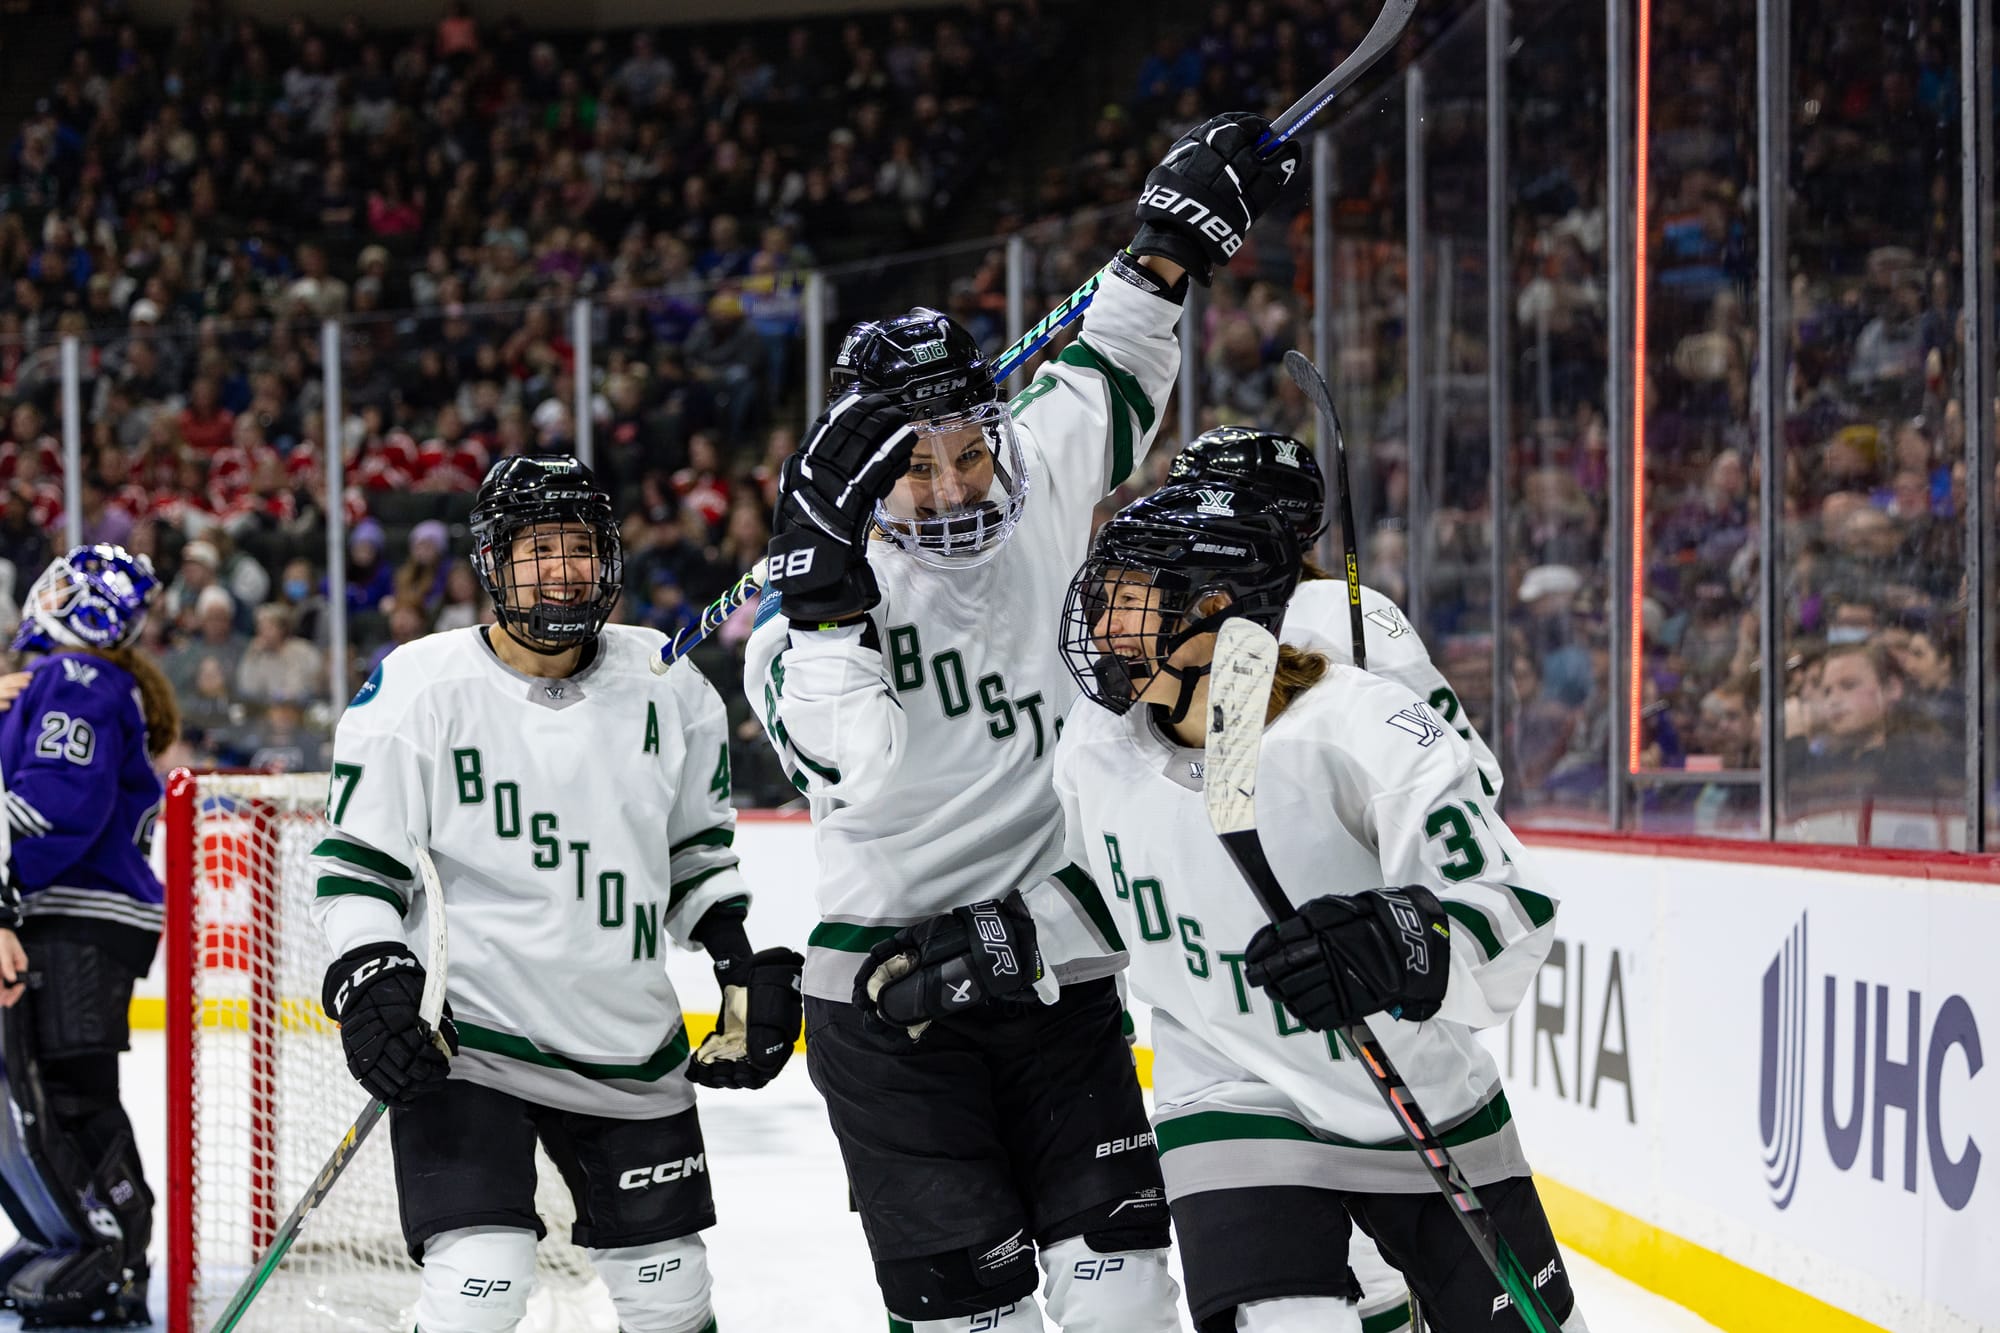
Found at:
<point>1313,384</point>
<point>429,1007</point>
<point>1388,29</point>
<point>1239,692</point>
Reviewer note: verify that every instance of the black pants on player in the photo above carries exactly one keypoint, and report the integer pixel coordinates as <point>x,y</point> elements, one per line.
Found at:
<point>1019,1125</point>
<point>465,1157</point>
<point>1244,1245</point>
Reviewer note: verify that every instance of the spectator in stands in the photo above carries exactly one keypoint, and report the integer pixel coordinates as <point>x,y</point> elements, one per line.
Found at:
<point>1726,736</point>
<point>1864,743</point>
<point>279,742</point>
<point>211,630</point>
<point>370,579</point>
<point>465,601</point>
<point>420,581</point>
<point>277,665</point>
<point>304,600</point>
<point>725,361</point>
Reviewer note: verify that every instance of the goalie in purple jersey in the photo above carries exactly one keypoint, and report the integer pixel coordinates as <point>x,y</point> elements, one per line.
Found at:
<point>80,917</point>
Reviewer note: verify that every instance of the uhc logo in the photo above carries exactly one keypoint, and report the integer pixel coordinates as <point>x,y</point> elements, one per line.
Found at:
<point>1895,1052</point>
<point>1782,1090</point>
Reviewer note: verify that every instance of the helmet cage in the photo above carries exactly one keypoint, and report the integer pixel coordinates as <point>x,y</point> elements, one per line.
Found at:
<point>970,531</point>
<point>538,622</point>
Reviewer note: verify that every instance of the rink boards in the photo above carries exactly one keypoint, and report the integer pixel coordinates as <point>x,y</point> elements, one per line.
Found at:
<point>1709,1115</point>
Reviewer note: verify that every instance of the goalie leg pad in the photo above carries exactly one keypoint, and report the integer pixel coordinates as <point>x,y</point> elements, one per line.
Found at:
<point>1090,1290</point>
<point>663,1287</point>
<point>476,1280</point>
<point>1295,1314</point>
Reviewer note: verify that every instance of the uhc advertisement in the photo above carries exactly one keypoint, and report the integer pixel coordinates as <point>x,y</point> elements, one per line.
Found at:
<point>1785,1066</point>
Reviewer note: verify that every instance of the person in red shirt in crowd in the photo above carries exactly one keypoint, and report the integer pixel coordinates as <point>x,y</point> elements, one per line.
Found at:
<point>28,438</point>
<point>701,484</point>
<point>451,460</point>
<point>205,423</point>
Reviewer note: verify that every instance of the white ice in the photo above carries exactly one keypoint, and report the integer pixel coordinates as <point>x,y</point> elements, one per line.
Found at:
<point>786,1253</point>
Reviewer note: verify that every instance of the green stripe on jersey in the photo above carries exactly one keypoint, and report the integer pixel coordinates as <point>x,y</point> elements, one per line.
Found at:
<point>693,882</point>
<point>1476,925</point>
<point>340,886</point>
<point>1540,910</point>
<point>719,836</point>
<point>1124,391</point>
<point>365,858</point>
<point>1217,1126</point>
<point>650,1070</point>
<point>846,938</point>
<point>1084,889</point>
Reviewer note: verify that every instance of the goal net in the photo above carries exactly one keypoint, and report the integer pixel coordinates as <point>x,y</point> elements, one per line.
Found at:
<point>258,1092</point>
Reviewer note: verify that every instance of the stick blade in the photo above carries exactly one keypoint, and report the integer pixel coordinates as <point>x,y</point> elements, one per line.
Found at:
<point>1312,384</point>
<point>1239,691</point>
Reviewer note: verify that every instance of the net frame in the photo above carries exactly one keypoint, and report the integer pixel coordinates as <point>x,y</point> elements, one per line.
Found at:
<point>252,1056</point>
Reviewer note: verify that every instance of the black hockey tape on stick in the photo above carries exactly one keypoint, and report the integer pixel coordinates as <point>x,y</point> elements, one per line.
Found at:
<point>429,1008</point>
<point>1313,384</point>
<point>1239,692</point>
<point>1381,39</point>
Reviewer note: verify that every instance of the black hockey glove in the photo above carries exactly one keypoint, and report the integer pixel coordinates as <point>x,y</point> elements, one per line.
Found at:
<point>761,1016</point>
<point>950,964</point>
<point>1209,190</point>
<point>373,992</point>
<point>1343,958</point>
<point>852,456</point>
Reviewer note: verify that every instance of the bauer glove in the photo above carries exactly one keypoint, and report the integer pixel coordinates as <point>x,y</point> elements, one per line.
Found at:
<point>759,1024</point>
<point>1344,957</point>
<point>950,964</point>
<point>1209,190</point>
<point>827,493</point>
<point>373,992</point>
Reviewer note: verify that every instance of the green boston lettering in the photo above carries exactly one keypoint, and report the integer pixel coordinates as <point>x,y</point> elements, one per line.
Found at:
<point>906,658</point>
<point>1191,948</point>
<point>611,899</point>
<point>541,831</point>
<point>993,698</point>
<point>949,669</point>
<point>471,784</point>
<point>507,809</point>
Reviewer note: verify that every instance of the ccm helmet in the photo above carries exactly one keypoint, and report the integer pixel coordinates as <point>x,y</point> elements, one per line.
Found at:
<point>551,498</point>
<point>967,482</point>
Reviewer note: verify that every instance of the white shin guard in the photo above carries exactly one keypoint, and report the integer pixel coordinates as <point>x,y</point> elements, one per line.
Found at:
<point>476,1280</point>
<point>1127,1291</point>
<point>1298,1314</point>
<point>658,1288</point>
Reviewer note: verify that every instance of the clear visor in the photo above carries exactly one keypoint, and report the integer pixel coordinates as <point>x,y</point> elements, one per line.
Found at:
<point>964,490</point>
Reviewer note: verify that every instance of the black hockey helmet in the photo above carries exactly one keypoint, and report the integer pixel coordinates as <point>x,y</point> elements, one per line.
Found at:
<point>1161,557</point>
<point>967,481</point>
<point>925,360</point>
<point>558,494</point>
<point>1278,469</point>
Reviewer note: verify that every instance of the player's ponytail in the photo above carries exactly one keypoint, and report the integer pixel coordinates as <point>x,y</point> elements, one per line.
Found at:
<point>1298,671</point>
<point>1310,569</point>
<point>156,697</point>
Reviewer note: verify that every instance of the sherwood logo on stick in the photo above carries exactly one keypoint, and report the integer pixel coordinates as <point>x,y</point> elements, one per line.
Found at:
<point>1903,1056</point>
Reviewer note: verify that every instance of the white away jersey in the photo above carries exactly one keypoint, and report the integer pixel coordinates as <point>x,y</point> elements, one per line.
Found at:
<point>1360,786</point>
<point>1318,619</point>
<point>927,759</point>
<point>578,826</point>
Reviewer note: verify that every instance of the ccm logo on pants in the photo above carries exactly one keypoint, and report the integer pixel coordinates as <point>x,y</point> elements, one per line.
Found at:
<point>664,1174</point>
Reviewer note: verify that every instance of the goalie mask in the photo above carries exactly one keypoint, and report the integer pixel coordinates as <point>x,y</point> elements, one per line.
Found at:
<point>1137,601</point>
<point>1278,470</point>
<point>967,482</point>
<point>547,551</point>
<point>93,597</point>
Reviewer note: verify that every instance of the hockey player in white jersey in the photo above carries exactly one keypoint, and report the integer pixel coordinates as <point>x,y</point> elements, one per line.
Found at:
<point>962,1018</point>
<point>1286,478</point>
<point>577,808</point>
<point>1270,1135</point>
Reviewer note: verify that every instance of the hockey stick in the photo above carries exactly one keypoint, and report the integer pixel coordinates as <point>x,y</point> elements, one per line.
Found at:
<point>429,1006</point>
<point>1388,30</point>
<point>1239,692</point>
<point>1313,384</point>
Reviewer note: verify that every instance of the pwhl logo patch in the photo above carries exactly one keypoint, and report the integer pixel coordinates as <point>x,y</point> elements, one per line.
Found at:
<point>1901,1054</point>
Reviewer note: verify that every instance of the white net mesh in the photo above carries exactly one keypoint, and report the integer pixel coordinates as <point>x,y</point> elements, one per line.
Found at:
<point>271,1095</point>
